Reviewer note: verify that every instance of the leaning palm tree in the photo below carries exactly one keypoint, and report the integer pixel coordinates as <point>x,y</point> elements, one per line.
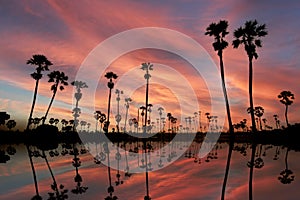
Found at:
<point>42,64</point>
<point>219,31</point>
<point>286,98</point>
<point>110,76</point>
<point>58,78</point>
<point>250,36</point>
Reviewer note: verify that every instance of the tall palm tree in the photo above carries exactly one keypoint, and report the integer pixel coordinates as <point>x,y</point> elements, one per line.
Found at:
<point>110,76</point>
<point>58,78</point>
<point>42,64</point>
<point>146,67</point>
<point>79,85</point>
<point>169,116</point>
<point>97,115</point>
<point>127,102</point>
<point>258,112</point>
<point>219,31</point>
<point>286,98</point>
<point>118,116</point>
<point>160,111</point>
<point>250,36</point>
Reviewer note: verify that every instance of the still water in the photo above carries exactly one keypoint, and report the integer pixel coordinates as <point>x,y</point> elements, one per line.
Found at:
<point>85,175</point>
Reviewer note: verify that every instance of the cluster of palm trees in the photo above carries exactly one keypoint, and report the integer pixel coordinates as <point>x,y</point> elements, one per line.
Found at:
<point>11,123</point>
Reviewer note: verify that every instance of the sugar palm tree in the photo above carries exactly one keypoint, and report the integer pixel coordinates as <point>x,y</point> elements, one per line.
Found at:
<point>258,112</point>
<point>79,85</point>
<point>286,175</point>
<point>97,115</point>
<point>118,116</point>
<point>59,79</point>
<point>110,76</point>
<point>3,117</point>
<point>160,111</point>
<point>250,36</point>
<point>286,98</point>
<point>11,124</point>
<point>127,102</point>
<point>219,31</point>
<point>146,67</point>
<point>42,64</point>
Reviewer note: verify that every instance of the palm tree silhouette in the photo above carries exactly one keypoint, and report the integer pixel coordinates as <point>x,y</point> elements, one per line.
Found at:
<point>277,121</point>
<point>97,115</point>
<point>286,175</point>
<point>127,102</point>
<point>219,31</point>
<point>249,36</point>
<point>169,116</point>
<point>110,76</point>
<point>286,98</point>
<point>258,112</point>
<point>160,111</point>
<point>118,116</point>
<point>42,64</point>
<point>58,78</point>
<point>3,117</point>
<point>146,67</point>
<point>78,95</point>
<point>11,124</point>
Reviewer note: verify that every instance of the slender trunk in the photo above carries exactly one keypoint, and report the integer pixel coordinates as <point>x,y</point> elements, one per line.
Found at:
<point>50,104</point>
<point>286,116</point>
<point>260,124</point>
<point>251,96</point>
<point>52,175</point>
<point>33,172</point>
<point>145,130</point>
<point>286,158</point>
<point>231,130</point>
<point>126,115</point>
<point>33,103</point>
<point>251,170</point>
<point>75,118</point>
<point>96,125</point>
<point>108,109</point>
<point>254,130</point>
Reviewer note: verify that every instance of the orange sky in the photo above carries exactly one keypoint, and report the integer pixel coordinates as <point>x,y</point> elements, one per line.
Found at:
<point>67,32</point>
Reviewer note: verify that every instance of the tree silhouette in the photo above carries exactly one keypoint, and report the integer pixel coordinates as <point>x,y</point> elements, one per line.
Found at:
<point>42,64</point>
<point>58,78</point>
<point>250,36</point>
<point>97,115</point>
<point>286,98</point>
<point>11,124</point>
<point>258,112</point>
<point>286,175</point>
<point>118,116</point>
<point>127,102</point>
<point>110,76</point>
<point>3,117</point>
<point>78,95</point>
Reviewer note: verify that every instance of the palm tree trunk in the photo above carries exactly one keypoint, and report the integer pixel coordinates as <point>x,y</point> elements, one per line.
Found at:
<point>50,104</point>
<point>126,115</point>
<point>286,116</point>
<point>251,96</point>
<point>260,124</point>
<point>52,175</point>
<point>231,130</point>
<point>33,172</point>
<point>147,179</point>
<point>286,158</point>
<point>251,170</point>
<point>108,108</point>
<point>33,103</point>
